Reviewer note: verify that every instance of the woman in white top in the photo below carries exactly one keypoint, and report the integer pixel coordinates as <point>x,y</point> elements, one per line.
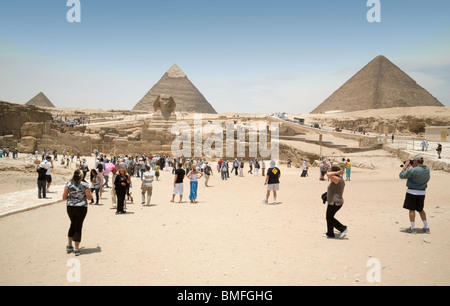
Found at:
<point>193,177</point>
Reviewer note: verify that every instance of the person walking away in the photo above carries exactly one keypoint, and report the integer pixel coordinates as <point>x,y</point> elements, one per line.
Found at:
<point>121,184</point>
<point>178,182</point>
<point>208,172</point>
<point>147,187</point>
<point>95,185</point>
<point>417,176</point>
<point>193,176</point>
<point>157,172</point>
<point>42,180</point>
<point>335,201</point>
<point>77,194</point>
<point>272,182</point>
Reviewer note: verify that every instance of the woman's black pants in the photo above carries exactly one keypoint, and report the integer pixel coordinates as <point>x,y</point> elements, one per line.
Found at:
<point>76,215</point>
<point>332,223</point>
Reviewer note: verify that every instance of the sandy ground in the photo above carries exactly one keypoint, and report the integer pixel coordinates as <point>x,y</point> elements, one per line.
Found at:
<point>230,237</point>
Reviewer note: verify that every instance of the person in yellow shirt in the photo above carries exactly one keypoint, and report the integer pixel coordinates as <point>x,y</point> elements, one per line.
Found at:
<point>348,169</point>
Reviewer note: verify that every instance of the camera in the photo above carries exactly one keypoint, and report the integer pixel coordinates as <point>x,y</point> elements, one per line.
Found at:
<point>410,163</point>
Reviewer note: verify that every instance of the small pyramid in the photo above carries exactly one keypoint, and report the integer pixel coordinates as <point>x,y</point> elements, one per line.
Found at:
<point>176,84</point>
<point>40,100</point>
<point>380,84</point>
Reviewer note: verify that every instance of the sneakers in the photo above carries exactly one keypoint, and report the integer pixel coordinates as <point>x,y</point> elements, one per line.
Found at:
<point>426,230</point>
<point>265,201</point>
<point>410,230</point>
<point>69,249</point>
<point>344,233</point>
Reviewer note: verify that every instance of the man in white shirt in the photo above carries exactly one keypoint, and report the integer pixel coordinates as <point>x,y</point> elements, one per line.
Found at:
<point>48,163</point>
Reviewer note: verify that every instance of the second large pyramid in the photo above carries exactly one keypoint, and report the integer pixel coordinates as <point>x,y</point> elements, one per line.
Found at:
<point>176,84</point>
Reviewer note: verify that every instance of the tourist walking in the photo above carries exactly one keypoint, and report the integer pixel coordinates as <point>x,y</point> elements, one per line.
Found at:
<point>250,165</point>
<point>263,168</point>
<point>48,164</point>
<point>323,170</point>
<point>241,168</point>
<point>272,182</point>
<point>113,189</point>
<point>257,166</point>
<point>208,172</point>
<point>235,167</point>
<point>178,182</point>
<point>193,176</point>
<point>84,167</point>
<point>335,201</point>
<point>147,187</point>
<point>42,181</point>
<point>439,150</point>
<point>77,194</point>
<point>304,169</point>
<point>101,174</point>
<point>417,176</point>
<point>121,185</point>
<point>224,170</point>
<point>95,185</point>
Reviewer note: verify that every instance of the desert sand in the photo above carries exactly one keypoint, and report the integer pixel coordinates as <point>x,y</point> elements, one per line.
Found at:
<point>230,237</point>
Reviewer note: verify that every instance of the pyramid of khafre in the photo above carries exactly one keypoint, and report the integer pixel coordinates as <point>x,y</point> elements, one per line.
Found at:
<point>380,84</point>
<point>40,100</point>
<point>176,84</point>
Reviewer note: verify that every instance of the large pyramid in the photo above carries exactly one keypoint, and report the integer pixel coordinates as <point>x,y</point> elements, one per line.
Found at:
<point>380,84</point>
<point>176,84</point>
<point>40,100</point>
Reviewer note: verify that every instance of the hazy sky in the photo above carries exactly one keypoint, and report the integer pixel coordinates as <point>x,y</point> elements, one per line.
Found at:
<point>243,55</point>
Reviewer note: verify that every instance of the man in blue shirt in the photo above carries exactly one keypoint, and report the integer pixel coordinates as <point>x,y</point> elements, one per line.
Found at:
<point>417,176</point>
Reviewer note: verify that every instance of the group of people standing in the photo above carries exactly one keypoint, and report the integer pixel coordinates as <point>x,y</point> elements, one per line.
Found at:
<point>77,192</point>
<point>326,166</point>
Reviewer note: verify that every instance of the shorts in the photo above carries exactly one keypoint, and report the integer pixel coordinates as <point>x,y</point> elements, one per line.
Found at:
<point>271,187</point>
<point>414,202</point>
<point>178,188</point>
<point>49,178</point>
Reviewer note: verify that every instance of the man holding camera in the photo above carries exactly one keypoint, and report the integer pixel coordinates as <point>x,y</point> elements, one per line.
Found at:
<point>418,176</point>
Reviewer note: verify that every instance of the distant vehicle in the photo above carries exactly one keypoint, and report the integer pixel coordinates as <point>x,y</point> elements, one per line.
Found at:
<point>316,126</point>
<point>299,120</point>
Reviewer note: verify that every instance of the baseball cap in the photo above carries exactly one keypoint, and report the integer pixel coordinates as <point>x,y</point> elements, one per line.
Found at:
<point>419,158</point>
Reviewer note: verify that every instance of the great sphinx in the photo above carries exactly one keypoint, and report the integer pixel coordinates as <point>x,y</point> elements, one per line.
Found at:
<point>166,105</point>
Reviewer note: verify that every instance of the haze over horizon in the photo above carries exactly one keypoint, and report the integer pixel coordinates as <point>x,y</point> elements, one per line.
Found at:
<point>244,56</point>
